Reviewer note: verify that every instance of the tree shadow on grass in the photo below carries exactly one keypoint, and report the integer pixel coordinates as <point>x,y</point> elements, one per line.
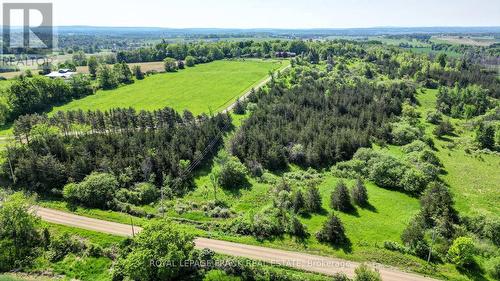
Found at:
<point>346,247</point>
<point>236,192</point>
<point>369,207</point>
<point>473,272</point>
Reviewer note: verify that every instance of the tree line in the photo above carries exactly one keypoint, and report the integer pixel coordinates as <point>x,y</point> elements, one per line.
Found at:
<point>159,147</point>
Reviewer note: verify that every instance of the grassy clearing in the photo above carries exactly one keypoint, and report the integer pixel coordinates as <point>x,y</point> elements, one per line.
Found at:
<point>205,87</point>
<point>472,177</point>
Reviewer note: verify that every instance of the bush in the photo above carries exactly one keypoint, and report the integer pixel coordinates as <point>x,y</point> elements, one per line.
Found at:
<point>461,252</point>
<point>415,146</point>
<point>296,228</point>
<point>148,193</point>
<point>364,273</point>
<point>266,223</point>
<point>404,133</point>
<point>434,117</point>
<point>340,198</point>
<point>170,65</point>
<point>313,200</point>
<point>395,247</point>
<point>232,173</point>
<point>493,267</point>
<point>190,61</point>
<point>340,277</point>
<point>218,275</point>
<point>444,128</point>
<point>297,154</point>
<point>359,193</point>
<point>156,253</point>
<point>332,232</point>
<point>96,190</point>
<point>62,245</point>
<point>19,235</point>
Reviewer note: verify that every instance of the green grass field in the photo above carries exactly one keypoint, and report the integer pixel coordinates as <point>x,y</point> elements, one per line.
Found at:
<point>473,178</point>
<point>202,88</point>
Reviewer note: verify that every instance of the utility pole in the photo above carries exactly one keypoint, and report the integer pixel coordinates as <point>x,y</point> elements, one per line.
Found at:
<point>162,207</point>
<point>132,224</point>
<point>13,176</point>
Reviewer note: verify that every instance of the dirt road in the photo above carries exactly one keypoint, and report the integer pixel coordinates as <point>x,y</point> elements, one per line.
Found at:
<point>316,264</point>
<point>260,85</point>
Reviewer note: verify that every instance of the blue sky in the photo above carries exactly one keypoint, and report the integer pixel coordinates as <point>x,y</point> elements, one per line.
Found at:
<point>277,13</point>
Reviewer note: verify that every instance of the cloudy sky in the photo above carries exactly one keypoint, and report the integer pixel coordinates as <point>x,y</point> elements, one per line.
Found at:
<point>276,13</point>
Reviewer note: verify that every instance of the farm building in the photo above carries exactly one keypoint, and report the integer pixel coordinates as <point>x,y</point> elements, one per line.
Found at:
<point>61,73</point>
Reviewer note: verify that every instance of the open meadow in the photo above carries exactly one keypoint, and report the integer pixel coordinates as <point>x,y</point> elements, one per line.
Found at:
<point>203,88</point>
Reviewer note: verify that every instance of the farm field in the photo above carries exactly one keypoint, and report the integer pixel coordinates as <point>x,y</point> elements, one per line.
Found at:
<point>199,89</point>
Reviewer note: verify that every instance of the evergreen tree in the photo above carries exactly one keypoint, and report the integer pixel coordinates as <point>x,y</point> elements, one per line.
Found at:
<point>139,75</point>
<point>332,232</point>
<point>298,202</point>
<point>313,200</point>
<point>485,136</point>
<point>340,198</point>
<point>93,65</point>
<point>359,193</point>
<point>239,108</point>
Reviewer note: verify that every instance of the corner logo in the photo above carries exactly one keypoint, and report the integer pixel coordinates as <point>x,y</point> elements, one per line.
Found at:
<point>23,38</point>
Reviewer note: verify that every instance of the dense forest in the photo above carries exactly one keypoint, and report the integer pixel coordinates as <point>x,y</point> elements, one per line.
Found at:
<point>160,147</point>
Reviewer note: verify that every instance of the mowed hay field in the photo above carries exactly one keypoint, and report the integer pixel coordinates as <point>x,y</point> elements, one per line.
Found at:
<point>202,88</point>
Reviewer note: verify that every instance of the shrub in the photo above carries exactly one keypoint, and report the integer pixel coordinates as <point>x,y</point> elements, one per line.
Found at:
<point>395,247</point>
<point>434,117</point>
<point>404,133</point>
<point>461,252</point>
<point>359,193</point>
<point>340,198</point>
<point>190,61</point>
<point>218,275</point>
<point>266,224</point>
<point>19,234</point>
<point>62,245</point>
<point>313,200</point>
<point>160,243</point>
<point>364,273</point>
<point>415,146</point>
<point>493,267</point>
<point>413,181</point>
<point>332,231</point>
<point>296,228</point>
<point>96,190</point>
<point>232,173</point>
<point>340,277</point>
<point>297,154</point>
<point>148,193</point>
<point>170,65</point>
<point>444,128</point>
